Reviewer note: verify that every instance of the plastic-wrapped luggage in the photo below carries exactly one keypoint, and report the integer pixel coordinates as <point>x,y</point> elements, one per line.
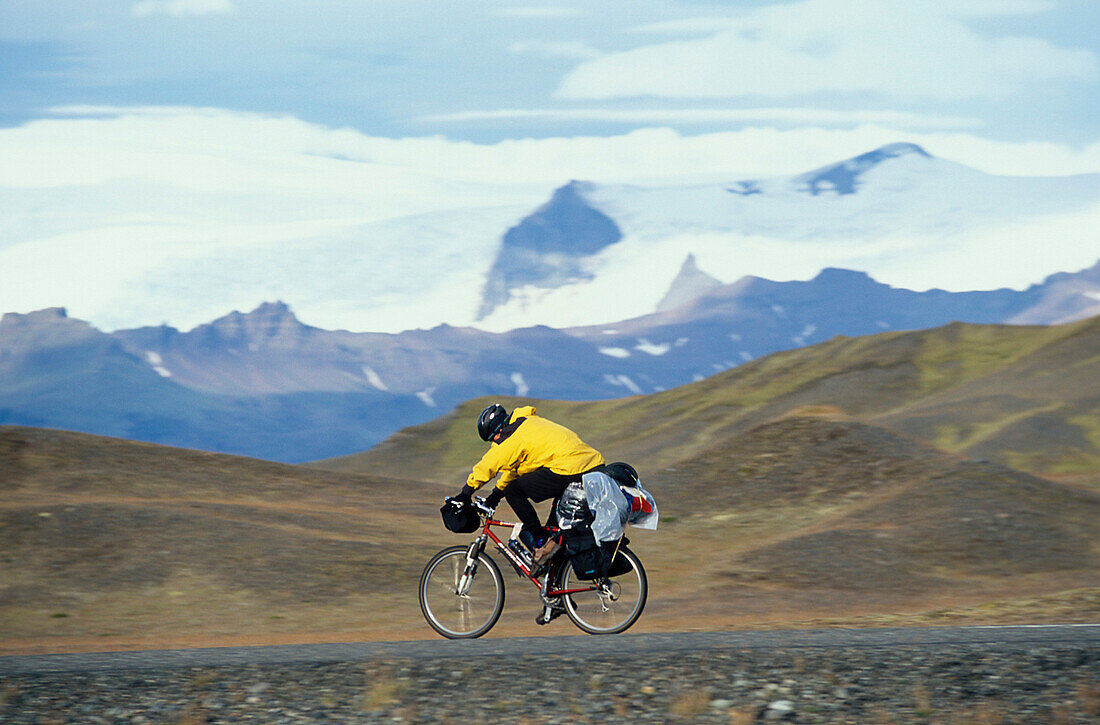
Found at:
<point>573,508</point>
<point>610,506</point>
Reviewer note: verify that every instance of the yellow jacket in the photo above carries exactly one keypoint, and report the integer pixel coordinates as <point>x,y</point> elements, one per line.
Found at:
<point>529,443</point>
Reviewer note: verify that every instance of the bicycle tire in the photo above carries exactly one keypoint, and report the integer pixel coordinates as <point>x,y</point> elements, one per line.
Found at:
<point>460,616</point>
<point>594,613</point>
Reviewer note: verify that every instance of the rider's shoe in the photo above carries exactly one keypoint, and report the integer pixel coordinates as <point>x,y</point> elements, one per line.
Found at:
<point>547,550</point>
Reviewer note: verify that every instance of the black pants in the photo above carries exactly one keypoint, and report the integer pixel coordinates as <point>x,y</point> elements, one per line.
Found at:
<point>537,486</point>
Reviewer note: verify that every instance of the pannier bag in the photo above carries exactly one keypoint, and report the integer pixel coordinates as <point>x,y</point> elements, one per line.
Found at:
<point>591,560</point>
<point>621,565</point>
<point>588,559</point>
<point>461,518</point>
<point>593,514</point>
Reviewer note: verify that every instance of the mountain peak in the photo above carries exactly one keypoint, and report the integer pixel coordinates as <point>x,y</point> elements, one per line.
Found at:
<point>52,320</point>
<point>547,248</point>
<point>45,328</point>
<point>267,312</point>
<point>839,276</point>
<point>272,323</point>
<point>689,284</point>
<point>273,309</point>
<point>844,177</point>
<point>901,148</point>
<point>47,315</point>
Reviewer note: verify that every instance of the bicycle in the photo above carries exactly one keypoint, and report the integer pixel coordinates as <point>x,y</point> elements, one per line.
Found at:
<point>462,589</point>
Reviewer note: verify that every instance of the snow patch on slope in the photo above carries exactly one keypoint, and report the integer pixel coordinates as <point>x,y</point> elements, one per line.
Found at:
<point>623,381</point>
<point>157,363</point>
<point>649,348</point>
<point>374,379</point>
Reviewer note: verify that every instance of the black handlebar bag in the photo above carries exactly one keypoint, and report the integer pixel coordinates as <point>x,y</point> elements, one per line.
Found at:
<point>460,518</point>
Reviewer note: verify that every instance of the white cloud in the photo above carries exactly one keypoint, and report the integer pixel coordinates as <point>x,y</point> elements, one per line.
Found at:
<point>897,48</point>
<point>531,11</point>
<point>685,26</point>
<point>550,49</point>
<point>682,116</point>
<point>217,151</point>
<point>993,8</point>
<point>181,8</point>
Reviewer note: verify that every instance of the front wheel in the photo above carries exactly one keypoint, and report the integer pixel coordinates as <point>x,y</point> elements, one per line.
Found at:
<point>458,606</point>
<point>613,604</point>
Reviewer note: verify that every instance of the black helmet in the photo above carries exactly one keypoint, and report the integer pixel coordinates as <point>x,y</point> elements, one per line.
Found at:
<point>491,420</point>
<point>623,473</point>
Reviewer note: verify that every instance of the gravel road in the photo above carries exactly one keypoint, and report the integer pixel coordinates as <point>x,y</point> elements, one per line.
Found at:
<point>931,675</point>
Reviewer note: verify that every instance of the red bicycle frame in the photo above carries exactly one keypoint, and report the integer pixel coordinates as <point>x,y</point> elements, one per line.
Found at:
<point>519,564</point>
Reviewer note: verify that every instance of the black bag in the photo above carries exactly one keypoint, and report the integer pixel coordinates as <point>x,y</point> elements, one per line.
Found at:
<point>461,518</point>
<point>621,565</point>
<point>621,473</point>
<point>589,559</point>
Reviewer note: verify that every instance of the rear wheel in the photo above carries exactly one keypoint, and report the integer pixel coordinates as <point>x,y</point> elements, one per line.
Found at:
<point>613,604</point>
<point>459,609</point>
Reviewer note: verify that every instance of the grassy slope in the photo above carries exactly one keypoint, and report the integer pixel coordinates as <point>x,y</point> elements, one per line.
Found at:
<point>1023,396</point>
<point>124,541</point>
<point>809,517</point>
<point>803,521</point>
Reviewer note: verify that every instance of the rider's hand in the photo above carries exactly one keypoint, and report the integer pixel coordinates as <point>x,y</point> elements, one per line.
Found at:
<point>493,499</point>
<point>464,495</point>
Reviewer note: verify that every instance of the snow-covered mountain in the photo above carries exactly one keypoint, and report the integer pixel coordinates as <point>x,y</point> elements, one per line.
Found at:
<point>264,384</point>
<point>588,253</point>
<point>907,218</point>
<point>547,249</point>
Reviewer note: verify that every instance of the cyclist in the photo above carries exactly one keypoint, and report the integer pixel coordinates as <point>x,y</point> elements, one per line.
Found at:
<point>536,459</point>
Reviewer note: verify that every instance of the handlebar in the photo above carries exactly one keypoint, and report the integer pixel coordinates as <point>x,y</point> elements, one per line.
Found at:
<point>479,505</point>
<point>482,507</point>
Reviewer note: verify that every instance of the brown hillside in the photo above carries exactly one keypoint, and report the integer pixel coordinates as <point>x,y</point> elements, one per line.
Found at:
<point>802,521</point>
<point>122,542</point>
<point>809,515</point>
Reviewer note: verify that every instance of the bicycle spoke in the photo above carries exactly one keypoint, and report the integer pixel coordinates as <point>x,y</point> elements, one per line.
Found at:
<point>611,606</point>
<point>454,614</point>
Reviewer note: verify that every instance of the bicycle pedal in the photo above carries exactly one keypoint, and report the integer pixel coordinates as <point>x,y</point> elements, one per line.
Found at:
<point>548,615</point>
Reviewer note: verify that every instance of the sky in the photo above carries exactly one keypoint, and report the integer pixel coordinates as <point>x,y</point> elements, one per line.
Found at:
<point>137,133</point>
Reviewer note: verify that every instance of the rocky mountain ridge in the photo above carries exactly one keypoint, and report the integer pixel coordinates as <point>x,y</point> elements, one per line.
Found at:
<point>265,384</point>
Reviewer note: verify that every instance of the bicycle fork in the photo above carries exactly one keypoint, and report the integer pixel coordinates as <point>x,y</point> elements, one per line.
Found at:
<point>472,552</point>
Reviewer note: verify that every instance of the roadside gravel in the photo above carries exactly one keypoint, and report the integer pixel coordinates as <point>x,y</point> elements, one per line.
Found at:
<point>907,684</point>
